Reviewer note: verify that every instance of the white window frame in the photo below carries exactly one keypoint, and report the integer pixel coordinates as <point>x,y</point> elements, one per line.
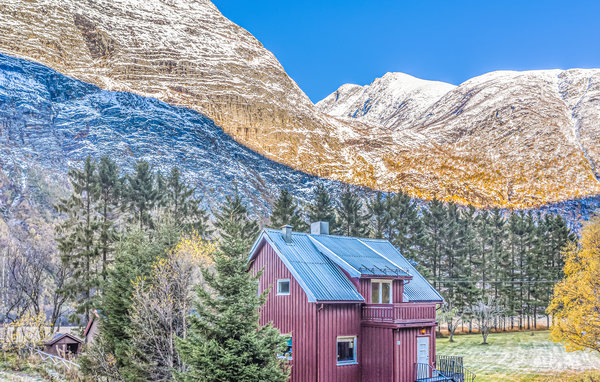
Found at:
<point>281,281</point>
<point>381,282</point>
<point>354,346</point>
<point>289,356</point>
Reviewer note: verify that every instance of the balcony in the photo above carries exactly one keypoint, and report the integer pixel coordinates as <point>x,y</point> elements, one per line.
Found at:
<point>404,313</point>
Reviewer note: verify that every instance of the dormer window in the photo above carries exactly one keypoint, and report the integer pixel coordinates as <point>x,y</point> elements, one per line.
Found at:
<point>283,287</point>
<point>381,291</point>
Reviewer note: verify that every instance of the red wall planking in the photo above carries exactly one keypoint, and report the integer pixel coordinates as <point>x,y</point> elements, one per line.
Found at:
<point>380,356</point>
<point>290,314</point>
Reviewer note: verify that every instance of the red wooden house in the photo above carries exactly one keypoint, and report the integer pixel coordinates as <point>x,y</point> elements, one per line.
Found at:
<point>355,308</point>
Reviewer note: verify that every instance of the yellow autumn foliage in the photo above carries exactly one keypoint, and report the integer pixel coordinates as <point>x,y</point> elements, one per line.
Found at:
<point>575,306</point>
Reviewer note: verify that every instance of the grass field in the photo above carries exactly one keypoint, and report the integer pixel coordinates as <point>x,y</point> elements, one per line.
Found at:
<point>521,357</point>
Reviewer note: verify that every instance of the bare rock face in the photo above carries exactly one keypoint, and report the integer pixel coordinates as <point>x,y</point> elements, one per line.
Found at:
<point>182,52</point>
<point>505,139</point>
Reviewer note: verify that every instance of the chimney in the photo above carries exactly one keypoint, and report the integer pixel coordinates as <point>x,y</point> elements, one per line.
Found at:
<point>319,228</point>
<point>286,231</point>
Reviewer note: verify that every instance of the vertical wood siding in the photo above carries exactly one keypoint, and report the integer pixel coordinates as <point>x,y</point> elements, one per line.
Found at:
<point>315,328</point>
<point>398,291</point>
<point>378,354</point>
<point>290,314</point>
<point>294,314</point>
<point>338,320</point>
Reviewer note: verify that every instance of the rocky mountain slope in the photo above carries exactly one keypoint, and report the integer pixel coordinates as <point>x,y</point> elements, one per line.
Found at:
<point>504,139</point>
<point>513,139</point>
<point>49,122</point>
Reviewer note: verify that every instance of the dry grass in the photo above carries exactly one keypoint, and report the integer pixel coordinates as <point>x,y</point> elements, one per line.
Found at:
<point>519,356</point>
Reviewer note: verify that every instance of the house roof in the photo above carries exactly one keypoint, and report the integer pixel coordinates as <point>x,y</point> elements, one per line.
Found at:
<point>58,336</point>
<point>418,288</point>
<point>322,263</point>
<point>90,322</point>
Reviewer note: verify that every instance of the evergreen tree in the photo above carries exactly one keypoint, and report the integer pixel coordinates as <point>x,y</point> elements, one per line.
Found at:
<point>232,219</point>
<point>226,341</point>
<point>352,219</point>
<point>434,218</point>
<point>134,257</point>
<point>142,194</point>
<point>109,190</point>
<point>286,211</point>
<point>379,209</point>
<point>77,237</point>
<point>183,206</point>
<point>405,228</point>
<point>322,208</point>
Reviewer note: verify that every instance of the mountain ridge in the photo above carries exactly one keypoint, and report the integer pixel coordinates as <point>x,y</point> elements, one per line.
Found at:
<point>502,143</point>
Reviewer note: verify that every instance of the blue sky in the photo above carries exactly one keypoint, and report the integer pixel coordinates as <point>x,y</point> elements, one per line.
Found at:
<point>324,44</point>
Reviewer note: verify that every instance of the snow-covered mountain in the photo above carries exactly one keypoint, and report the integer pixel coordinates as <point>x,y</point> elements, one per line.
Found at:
<point>508,139</point>
<point>50,122</point>
<point>513,139</point>
<point>392,100</point>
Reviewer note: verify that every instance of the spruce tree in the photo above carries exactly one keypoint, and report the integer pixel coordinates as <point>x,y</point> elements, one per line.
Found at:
<point>109,191</point>
<point>78,239</point>
<point>134,257</point>
<point>183,206</point>
<point>232,219</point>
<point>142,194</point>
<point>226,341</point>
<point>379,209</point>
<point>405,228</point>
<point>352,219</point>
<point>322,208</point>
<point>434,218</point>
<point>286,211</point>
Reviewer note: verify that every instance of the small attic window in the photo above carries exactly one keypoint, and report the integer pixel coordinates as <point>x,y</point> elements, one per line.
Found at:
<point>283,287</point>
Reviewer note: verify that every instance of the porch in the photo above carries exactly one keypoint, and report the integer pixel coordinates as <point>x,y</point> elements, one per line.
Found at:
<point>449,369</point>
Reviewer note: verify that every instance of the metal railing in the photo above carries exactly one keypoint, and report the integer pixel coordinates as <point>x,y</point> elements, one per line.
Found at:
<point>56,359</point>
<point>425,372</point>
<point>453,368</point>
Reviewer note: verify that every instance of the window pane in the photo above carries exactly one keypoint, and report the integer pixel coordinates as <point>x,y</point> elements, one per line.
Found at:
<point>375,293</point>
<point>345,350</point>
<point>283,287</point>
<point>386,293</point>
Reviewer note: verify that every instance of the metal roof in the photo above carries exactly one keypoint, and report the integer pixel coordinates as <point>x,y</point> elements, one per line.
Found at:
<point>355,257</point>
<point>320,278</point>
<point>418,289</point>
<point>316,261</point>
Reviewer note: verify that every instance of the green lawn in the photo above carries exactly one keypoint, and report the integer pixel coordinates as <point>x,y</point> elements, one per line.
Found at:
<point>519,357</point>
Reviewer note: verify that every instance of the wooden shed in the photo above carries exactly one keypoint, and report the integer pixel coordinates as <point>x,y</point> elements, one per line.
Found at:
<point>63,345</point>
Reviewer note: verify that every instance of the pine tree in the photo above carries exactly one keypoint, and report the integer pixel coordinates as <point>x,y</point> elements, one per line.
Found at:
<point>183,206</point>
<point>352,219</point>
<point>77,237</point>
<point>379,209</point>
<point>405,229</point>
<point>232,219</point>
<point>109,190</point>
<point>142,194</point>
<point>434,218</point>
<point>286,212</point>
<point>322,208</point>
<point>134,257</point>
<point>226,341</point>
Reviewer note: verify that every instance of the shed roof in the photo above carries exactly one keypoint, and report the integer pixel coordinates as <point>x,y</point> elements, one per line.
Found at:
<point>58,336</point>
<point>321,263</point>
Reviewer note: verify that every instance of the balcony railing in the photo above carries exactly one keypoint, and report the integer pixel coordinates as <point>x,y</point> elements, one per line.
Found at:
<point>399,313</point>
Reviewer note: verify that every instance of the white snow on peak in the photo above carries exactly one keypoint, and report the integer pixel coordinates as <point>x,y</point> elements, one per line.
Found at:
<point>389,100</point>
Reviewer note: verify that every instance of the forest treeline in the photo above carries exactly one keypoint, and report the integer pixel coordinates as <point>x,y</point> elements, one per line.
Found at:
<point>139,249</point>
